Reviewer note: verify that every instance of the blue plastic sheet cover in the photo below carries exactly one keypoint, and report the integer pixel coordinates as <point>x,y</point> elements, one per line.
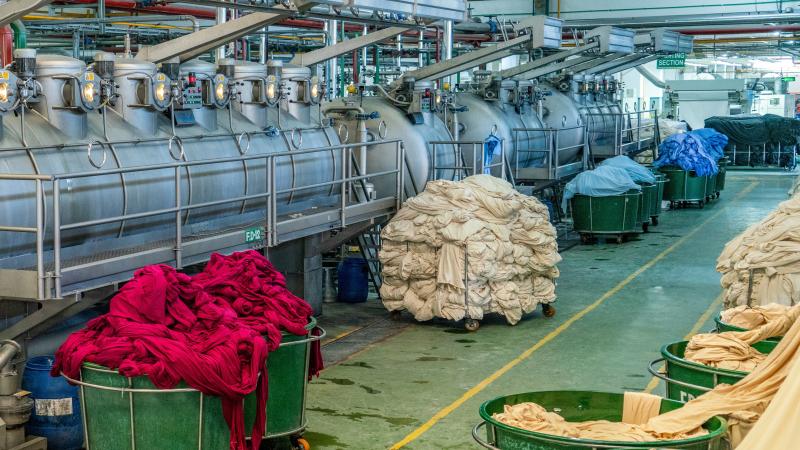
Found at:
<point>715,141</point>
<point>491,146</point>
<point>603,181</point>
<point>638,172</point>
<point>689,151</point>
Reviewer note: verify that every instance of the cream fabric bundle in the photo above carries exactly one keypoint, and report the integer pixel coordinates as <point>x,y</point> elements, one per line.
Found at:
<point>747,317</point>
<point>464,249</point>
<point>733,350</point>
<point>771,249</point>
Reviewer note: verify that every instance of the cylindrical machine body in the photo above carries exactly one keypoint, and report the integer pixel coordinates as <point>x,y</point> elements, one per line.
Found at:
<point>52,72</point>
<point>502,117</point>
<point>136,141</point>
<point>416,137</point>
<point>562,112</point>
<point>57,414</point>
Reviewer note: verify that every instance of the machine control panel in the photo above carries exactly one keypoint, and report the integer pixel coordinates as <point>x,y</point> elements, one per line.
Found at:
<point>191,93</point>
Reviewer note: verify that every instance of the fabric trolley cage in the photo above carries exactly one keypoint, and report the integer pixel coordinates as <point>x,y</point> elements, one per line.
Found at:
<point>121,413</point>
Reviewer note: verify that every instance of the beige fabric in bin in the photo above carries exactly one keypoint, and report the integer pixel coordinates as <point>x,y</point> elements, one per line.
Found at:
<point>771,391</point>
<point>464,249</point>
<point>751,317</point>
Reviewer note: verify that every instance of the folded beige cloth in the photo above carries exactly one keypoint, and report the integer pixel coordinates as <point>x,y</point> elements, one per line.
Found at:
<point>771,249</point>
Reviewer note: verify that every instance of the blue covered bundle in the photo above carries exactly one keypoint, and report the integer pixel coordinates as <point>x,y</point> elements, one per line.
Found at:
<point>696,150</point>
<point>714,140</point>
<point>604,181</point>
<point>637,172</point>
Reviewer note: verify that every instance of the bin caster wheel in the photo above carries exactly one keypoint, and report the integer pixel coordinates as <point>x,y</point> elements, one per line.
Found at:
<point>302,444</point>
<point>654,221</point>
<point>701,204</point>
<point>395,315</point>
<point>548,310</point>
<point>718,194</point>
<point>585,238</point>
<point>620,239</point>
<point>671,205</point>
<point>645,227</point>
<point>472,324</point>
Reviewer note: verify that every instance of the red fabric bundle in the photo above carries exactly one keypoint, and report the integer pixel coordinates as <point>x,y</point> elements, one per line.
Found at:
<point>207,330</point>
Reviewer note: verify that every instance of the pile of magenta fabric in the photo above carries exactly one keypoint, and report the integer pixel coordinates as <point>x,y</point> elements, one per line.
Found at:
<point>213,331</point>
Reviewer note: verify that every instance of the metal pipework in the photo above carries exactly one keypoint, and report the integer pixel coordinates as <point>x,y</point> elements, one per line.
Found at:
<point>8,351</point>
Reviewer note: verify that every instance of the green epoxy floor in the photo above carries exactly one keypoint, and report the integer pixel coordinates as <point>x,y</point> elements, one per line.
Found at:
<point>386,390</point>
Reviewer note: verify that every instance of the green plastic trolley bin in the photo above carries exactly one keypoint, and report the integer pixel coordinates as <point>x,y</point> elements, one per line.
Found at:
<point>579,406</point>
<point>647,203</point>
<point>711,187</point>
<point>121,413</point>
<point>687,380</point>
<point>684,187</point>
<point>655,213</point>
<point>723,170</point>
<point>615,215</point>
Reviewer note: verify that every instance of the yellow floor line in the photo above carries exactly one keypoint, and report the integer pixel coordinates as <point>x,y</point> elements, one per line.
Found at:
<point>342,335</point>
<point>444,412</point>
<point>695,329</point>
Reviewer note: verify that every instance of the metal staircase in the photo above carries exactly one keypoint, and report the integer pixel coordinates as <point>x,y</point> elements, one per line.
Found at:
<point>369,243</point>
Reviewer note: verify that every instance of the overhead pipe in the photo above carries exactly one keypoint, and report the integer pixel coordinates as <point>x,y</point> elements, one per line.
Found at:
<point>651,77</point>
<point>200,13</point>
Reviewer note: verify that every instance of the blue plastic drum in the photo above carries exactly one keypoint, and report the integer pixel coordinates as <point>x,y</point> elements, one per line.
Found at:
<point>57,408</point>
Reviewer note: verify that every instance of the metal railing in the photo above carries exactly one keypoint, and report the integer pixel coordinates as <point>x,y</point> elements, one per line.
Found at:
<point>762,155</point>
<point>463,169</point>
<point>49,284</point>
<point>631,132</point>
<point>550,154</point>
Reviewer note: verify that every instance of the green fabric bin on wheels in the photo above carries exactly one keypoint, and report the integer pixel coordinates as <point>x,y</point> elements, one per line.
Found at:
<point>580,406</point>
<point>613,215</point>
<point>684,187</point>
<point>655,213</point>
<point>121,413</point>
<point>711,187</point>
<point>647,203</point>
<point>723,170</point>
<point>687,380</point>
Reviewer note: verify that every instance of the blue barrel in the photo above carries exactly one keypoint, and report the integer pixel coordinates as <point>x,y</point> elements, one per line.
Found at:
<point>57,410</point>
<point>353,283</point>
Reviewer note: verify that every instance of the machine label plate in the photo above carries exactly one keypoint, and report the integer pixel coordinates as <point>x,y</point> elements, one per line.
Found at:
<point>53,407</point>
<point>254,235</point>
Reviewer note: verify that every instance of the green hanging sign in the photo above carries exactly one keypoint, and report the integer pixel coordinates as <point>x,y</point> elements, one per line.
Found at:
<point>675,61</point>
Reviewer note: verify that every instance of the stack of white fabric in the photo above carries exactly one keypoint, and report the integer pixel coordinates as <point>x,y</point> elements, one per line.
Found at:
<point>771,248</point>
<point>464,249</point>
<point>666,129</point>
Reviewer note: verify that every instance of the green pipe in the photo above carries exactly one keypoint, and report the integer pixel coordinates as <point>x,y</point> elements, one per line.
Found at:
<point>20,34</point>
